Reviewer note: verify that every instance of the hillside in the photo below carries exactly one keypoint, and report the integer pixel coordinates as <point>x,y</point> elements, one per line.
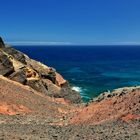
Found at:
<point>36,102</point>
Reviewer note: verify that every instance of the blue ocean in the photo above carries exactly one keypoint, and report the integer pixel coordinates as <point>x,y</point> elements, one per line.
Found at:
<point>91,69</point>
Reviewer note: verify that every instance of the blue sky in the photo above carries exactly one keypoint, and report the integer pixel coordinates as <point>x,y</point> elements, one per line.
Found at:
<point>71,21</point>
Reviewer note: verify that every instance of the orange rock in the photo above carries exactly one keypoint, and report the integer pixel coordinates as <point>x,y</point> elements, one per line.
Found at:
<point>62,101</point>
<point>12,109</point>
<point>110,109</point>
<point>59,80</point>
<point>129,117</point>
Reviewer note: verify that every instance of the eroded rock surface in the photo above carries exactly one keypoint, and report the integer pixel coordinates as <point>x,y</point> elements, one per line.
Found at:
<point>19,67</point>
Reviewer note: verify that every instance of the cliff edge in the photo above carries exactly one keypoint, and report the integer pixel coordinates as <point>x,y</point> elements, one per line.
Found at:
<point>19,67</point>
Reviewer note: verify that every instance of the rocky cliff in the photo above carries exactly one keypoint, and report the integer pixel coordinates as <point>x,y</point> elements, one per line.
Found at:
<point>36,102</point>
<point>19,67</point>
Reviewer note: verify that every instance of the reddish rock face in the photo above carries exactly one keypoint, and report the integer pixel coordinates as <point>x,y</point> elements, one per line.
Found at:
<point>129,117</point>
<point>11,109</point>
<point>59,80</point>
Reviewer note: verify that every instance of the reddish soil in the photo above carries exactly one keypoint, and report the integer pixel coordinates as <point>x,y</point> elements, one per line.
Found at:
<point>28,114</point>
<point>109,109</point>
<point>19,99</point>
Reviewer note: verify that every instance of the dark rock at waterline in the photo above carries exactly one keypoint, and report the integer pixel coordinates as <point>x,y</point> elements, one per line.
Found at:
<point>69,94</point>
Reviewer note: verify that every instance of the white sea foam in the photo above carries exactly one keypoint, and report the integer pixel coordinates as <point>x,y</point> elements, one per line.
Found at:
<point>81,91</point>
<point>78,89</point>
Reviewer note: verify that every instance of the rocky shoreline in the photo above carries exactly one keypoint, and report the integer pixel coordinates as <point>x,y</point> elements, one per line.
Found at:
<point>36,103</point>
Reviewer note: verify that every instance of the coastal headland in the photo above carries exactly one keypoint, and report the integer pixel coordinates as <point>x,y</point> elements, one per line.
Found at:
<point>36,102</point>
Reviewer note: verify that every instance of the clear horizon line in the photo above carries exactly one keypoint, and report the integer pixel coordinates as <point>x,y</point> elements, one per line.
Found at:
<point>36,43</point>
<point>67,43</point>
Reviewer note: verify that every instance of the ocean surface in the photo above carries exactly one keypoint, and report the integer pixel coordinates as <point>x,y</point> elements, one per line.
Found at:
<point>91,69</point>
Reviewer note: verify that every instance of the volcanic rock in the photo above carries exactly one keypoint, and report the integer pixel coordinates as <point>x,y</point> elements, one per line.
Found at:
<point>19,67</point>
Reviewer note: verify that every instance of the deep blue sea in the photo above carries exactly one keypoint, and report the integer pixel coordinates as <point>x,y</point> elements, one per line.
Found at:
<point>91,69</point>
